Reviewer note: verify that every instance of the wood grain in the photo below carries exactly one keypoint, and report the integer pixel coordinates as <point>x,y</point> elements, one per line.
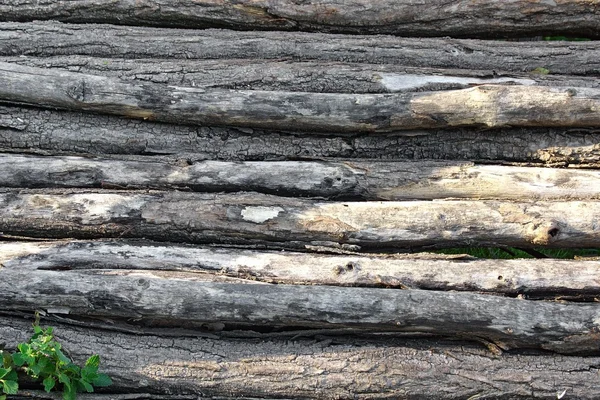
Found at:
<point>529,278</point>
<point>113,43</point>
<point>407,18</point>
<point>280,222</point>
<point>490,106</point>
<point>347,179</point>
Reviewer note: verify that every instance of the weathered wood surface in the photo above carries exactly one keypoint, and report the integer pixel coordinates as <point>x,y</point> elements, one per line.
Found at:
<point>407,18</point>
<point>490,106</point>
<point>348,179</point>
<point>179,299</point>
<point>114,42</point>
<point>61,132</point>
<point>266,220</point>
<point>40,394</point>
<point>330,368</point>
<point>532,278</point>
<point>307,76</point>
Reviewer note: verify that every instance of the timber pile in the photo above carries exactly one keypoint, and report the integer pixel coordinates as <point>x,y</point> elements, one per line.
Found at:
<point>249,211</point>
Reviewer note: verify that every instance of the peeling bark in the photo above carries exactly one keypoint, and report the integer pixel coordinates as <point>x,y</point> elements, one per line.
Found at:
<point>490,106</point>
<point>316,76</point>
<point>408,18</point>
<point>58,132</point>
<point>328,367</point>
<point>367,180</point>
<point>177,299</point>
<point>532,278</point>
<point>255,219</point>
<point>114,42</point>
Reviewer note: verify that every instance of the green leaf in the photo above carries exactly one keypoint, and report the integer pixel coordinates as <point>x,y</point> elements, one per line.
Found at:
<point>24,348</point>
<point>69,392</point>
<point>48,369</point>
<point>4,372</point>
<point>89,373</point>
<point>93,361</point>
<point>6,359</point>
<point>12,376</point>
<point>19,359</point>
<point>36,369</point>
<point>10,387</point>
<point>102,380</point>
<point>64,379</point>
<point>88,388</point>
<point>3,397</point>
<point>61,356</point>
<point>49,383</point>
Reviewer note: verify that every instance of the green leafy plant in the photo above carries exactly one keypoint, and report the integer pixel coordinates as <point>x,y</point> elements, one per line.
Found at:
<point>8,378</point>
<point>43,359</point>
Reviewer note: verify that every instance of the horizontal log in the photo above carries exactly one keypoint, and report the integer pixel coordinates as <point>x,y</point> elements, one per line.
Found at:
<point>315,76</point>
<point>532,278</point>
<point>350,179</point>
<point>332,368</point>
<point>279,222</point>
<point>55,132</point>
<point>408,18</point>
<point>172,299</point>
<point>40,394</point>
<point>490,106</point>
<point>114,42</point>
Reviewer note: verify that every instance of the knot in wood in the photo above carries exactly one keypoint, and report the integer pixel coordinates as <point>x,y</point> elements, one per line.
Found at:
<point>77,91</point>
<point>545,232</point>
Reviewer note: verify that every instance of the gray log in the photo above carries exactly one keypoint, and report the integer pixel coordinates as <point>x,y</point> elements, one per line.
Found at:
<point>349,179</point>
<point>255,219</point>
<point>532,278</point>
<point>315,76</point>
<point>56,132</point>
<point>409,18</point>
<point>330,368</point>
<point>114,42</point>
<point>490,106</point>
<point>179,299</point>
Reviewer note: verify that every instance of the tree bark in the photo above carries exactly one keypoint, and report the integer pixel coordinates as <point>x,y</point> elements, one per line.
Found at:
<point>114,42</point>
<point>255,219</point>
<point>174,299</point>
<point>59,132</point>
<point>355,179</point>
<point>315,76</point>
<point>407,18</point>
<point>327,367</point>
<point>530,278</point>
<point>490,106</point>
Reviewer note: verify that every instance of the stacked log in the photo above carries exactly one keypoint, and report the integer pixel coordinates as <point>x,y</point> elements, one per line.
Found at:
<point>251,211</point>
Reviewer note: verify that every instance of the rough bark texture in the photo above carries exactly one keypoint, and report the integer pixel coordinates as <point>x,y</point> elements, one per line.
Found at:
<point>490,106</point>
<point>254,219</point>
<point>531,278</point>
<point>307,76</point>
<point>247,112</point>
<point>367,180</point>
<point>407,18</point>
<point>52,132</point>
<point>113,42</point>
<point>325,367</point>
<point>178,299</point>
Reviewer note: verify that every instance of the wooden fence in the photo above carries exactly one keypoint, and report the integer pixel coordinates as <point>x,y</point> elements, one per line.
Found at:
<point>241,198</point>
